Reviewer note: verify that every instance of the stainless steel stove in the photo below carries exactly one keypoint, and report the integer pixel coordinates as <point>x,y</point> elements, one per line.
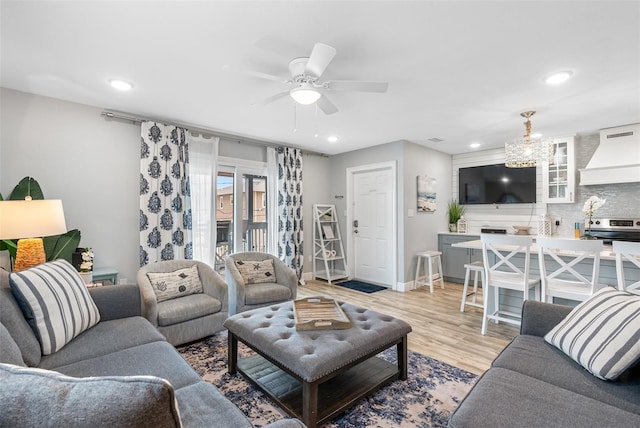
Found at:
<point>609,229</point>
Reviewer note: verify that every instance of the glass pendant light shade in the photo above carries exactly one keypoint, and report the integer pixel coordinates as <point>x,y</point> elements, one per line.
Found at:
<point>522,153</point>
<point>525,152</point>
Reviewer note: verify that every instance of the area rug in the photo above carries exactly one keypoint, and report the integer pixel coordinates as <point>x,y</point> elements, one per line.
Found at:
<point>426,399</point>
<point>365,287</point>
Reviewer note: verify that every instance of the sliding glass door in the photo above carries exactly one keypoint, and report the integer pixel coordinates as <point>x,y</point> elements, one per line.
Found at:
<point>240,226</point>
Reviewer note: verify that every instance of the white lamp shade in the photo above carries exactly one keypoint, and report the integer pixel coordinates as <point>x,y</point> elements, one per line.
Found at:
<point>31,219</point>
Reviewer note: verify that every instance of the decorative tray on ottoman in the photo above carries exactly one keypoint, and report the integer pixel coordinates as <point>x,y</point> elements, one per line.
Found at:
<point>319,313</point>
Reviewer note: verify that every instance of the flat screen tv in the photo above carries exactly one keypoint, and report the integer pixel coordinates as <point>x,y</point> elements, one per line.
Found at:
<point>496,184</point>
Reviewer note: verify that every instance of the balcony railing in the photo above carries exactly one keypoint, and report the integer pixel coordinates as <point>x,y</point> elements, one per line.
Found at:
<point>254,239</point>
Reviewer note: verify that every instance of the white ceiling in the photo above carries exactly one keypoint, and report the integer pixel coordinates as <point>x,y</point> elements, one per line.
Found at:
<point>458,71</point>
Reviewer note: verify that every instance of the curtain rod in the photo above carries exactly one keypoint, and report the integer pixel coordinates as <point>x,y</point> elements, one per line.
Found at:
<point>204,131</point>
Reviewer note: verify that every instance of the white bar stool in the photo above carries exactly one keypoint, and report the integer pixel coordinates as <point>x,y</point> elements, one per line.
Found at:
<point>476,267</point>
<point>429,257</point>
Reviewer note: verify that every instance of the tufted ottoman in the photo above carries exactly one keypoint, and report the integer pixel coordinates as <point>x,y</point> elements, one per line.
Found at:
<point>315,375</point>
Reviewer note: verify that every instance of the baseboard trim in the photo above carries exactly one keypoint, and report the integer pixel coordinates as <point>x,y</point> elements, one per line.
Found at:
<point>403,287</point>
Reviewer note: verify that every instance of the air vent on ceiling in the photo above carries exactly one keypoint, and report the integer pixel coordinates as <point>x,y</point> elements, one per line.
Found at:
<point>621,134</point>
<point>435,140</point>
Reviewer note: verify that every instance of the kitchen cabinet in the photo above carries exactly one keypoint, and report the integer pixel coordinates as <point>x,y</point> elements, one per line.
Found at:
<point>559,174</point>
<point>454,259</point>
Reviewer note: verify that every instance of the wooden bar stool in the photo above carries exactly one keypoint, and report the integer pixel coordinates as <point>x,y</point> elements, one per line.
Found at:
<point>429,257</point>
<point>478,268</point>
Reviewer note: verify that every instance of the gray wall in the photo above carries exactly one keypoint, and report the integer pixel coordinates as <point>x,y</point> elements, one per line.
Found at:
<point>416,233</point>
<point>316,173</point>
<point>92,164</point>
<point>421,230</point>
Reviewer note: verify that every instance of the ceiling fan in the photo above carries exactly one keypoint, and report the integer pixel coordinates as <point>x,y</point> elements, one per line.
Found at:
<point>305,79</point>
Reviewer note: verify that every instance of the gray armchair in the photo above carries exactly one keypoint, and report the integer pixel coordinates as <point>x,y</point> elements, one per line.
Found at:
<point>187,318</point>
<point>244,296</point>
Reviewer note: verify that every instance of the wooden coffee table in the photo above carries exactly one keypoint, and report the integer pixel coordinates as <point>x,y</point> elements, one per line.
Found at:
<point>315,375</point>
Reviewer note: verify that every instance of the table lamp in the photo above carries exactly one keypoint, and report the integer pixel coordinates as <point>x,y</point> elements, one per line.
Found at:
<point>28,221</point>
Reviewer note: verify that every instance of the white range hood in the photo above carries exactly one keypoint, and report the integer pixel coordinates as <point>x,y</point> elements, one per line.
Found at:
<point>617,158</point>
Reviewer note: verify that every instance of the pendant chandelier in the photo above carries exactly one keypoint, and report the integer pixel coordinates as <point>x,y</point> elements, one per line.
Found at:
<point>523,152</point>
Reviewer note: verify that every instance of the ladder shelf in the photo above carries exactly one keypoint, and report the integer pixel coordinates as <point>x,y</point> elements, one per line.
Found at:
<point>329,262</point>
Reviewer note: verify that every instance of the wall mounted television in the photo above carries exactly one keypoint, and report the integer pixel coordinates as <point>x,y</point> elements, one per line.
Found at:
<point>496,184</point>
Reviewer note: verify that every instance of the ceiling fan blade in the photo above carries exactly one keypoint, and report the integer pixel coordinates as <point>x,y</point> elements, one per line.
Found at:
<point>267,76</point>
<point>352,85</point>
<point>326,105</point>
<point>321,56</point>
<point>273,98</point>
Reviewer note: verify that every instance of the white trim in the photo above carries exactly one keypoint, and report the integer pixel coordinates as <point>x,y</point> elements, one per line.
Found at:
<point>391,165</point>
<point>247,166</point>
<point>405,286</point>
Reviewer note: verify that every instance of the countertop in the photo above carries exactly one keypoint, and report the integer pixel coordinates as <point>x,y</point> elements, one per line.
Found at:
<point>606,253</point>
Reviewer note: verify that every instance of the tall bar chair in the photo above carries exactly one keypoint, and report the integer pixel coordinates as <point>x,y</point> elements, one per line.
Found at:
<point>559,272</point>
<point>498,254</point>
<point>428,258</point>
<point>629,252</point>
<point>478,269</point>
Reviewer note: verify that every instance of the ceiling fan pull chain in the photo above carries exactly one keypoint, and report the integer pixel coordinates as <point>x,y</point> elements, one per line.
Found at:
<point>295,117</point>
<point>316,106</point>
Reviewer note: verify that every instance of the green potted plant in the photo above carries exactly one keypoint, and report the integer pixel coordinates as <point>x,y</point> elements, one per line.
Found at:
<point>454,211</point>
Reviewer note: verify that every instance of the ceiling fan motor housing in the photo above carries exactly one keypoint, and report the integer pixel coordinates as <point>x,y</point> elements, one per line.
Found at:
<point>297,68</point>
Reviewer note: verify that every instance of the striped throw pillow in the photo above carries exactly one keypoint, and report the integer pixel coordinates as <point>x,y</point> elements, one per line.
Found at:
<point>56,303</point>
<point>602,334</point>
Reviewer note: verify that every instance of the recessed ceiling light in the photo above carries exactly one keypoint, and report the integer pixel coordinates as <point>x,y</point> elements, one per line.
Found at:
<point>536,135</point>
<point>332,139</point>
<point>474,145</point>
<point>557,78</point>
<point>120,85</point>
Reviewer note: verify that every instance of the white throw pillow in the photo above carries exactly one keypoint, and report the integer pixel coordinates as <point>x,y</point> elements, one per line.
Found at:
<point>602,334</point>
<point>179,283</point>
<point>256,271</point>
<point>56,303</point>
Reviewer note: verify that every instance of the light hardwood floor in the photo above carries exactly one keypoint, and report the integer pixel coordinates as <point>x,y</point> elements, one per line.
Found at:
<point>440,330</point>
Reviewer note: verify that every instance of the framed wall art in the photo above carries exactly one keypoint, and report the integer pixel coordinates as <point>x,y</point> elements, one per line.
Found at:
<point>426,197</point>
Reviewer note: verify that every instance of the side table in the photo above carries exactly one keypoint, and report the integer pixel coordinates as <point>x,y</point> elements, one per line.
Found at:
<point>105,274</point>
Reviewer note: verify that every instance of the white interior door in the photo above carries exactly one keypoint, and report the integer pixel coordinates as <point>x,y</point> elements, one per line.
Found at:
<point>372,226</point>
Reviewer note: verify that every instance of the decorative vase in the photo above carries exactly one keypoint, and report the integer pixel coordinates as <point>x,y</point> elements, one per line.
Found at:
<point>453,227</point>
<point>87,277</point>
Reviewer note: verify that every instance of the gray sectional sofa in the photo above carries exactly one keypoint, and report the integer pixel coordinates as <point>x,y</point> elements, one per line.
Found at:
<point>121,345</point>
<point>533,384</point>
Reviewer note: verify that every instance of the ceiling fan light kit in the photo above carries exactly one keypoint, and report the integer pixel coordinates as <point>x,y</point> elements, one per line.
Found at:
<point>305,77</point>
<point>305,95</point>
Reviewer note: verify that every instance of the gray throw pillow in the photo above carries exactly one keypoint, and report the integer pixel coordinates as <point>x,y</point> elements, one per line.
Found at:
<point>35,397</point>
<point>602,334</point>
<point>56,303</point>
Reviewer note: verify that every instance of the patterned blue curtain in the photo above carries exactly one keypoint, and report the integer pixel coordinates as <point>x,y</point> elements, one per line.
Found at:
<point>290,238</point>
<point>165,203</point>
